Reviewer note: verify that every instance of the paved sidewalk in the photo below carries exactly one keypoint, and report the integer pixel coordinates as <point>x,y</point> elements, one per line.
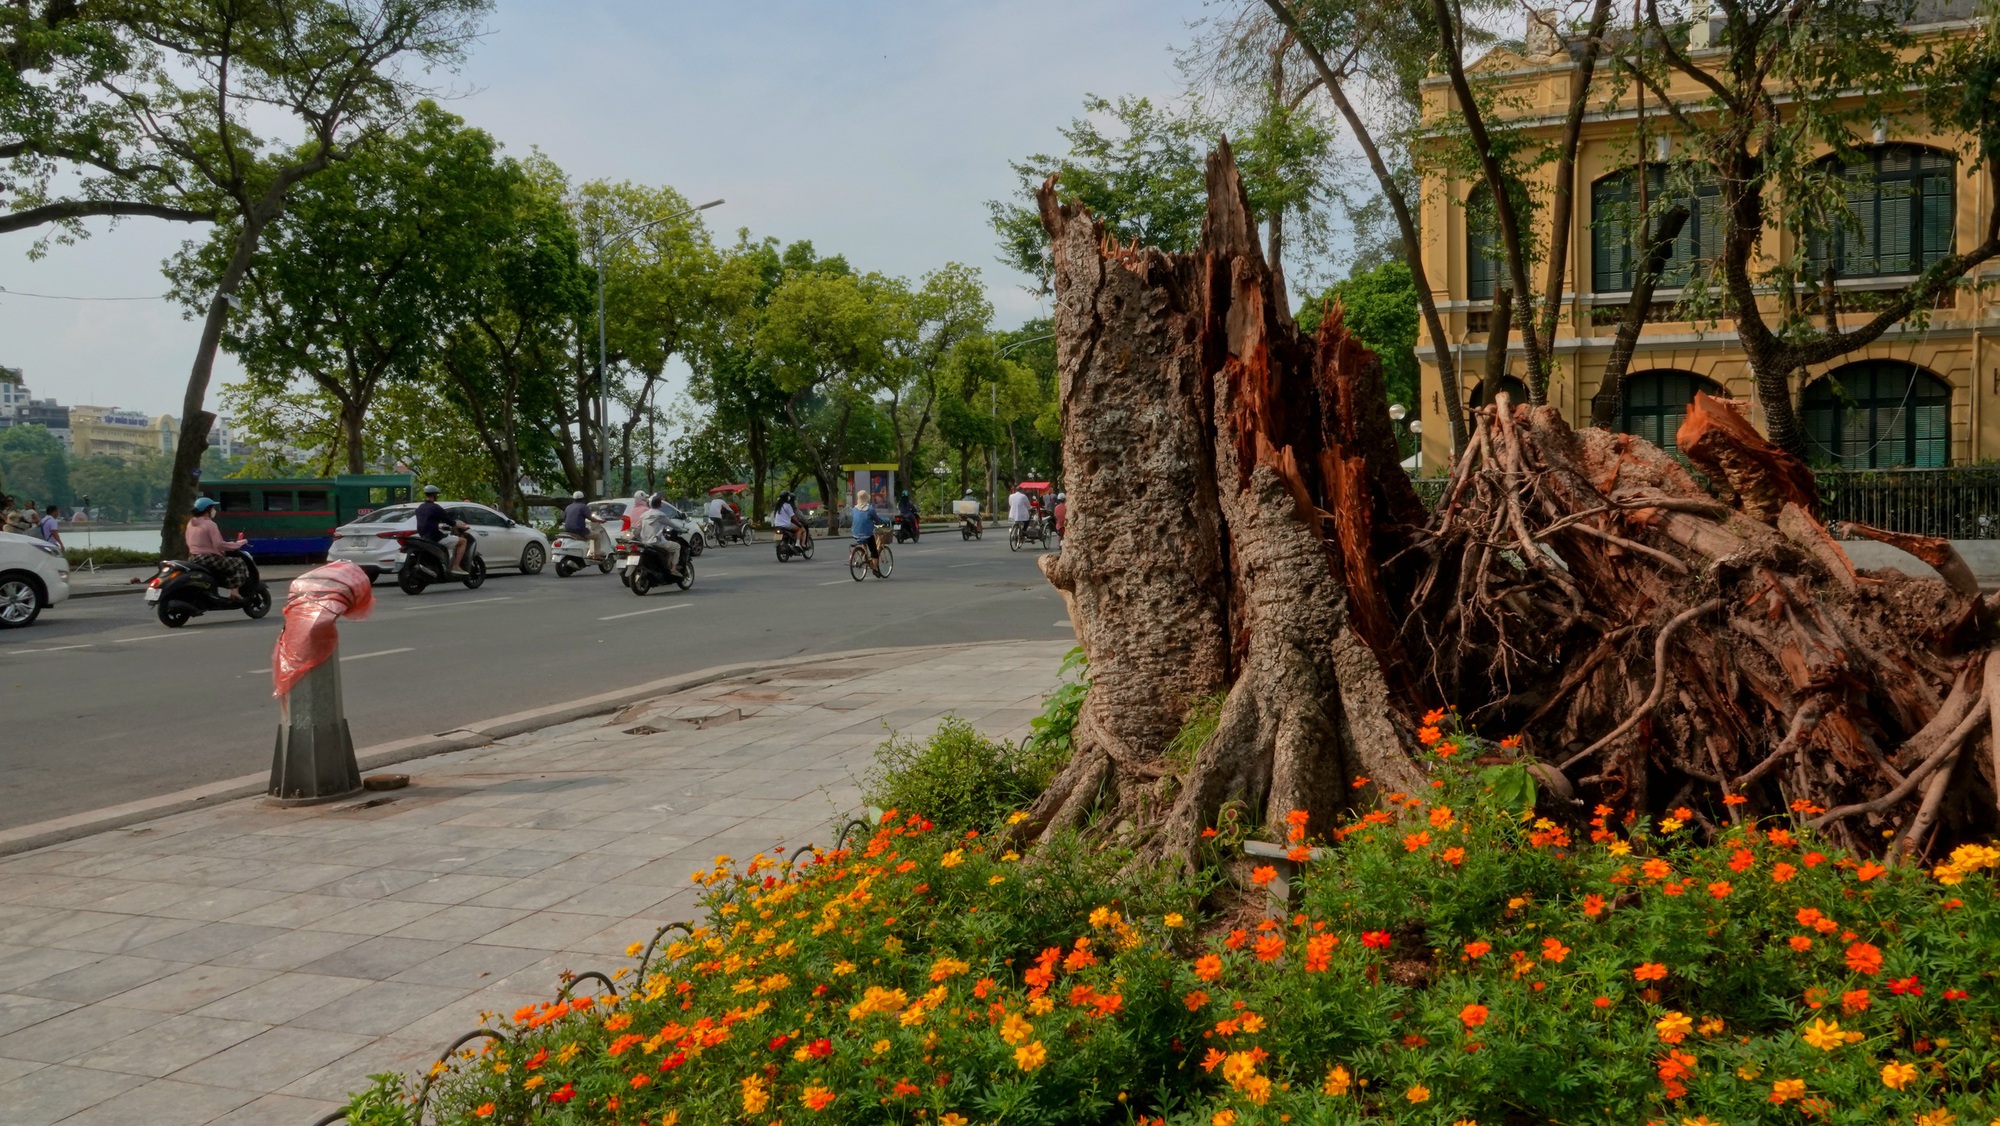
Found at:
<point>246,964</point>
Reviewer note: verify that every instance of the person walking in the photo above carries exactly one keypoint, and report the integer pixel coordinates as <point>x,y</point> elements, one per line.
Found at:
<point>47,527</point>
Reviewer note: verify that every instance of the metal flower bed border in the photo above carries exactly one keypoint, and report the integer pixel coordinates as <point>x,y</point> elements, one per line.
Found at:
<point>483,1033</point>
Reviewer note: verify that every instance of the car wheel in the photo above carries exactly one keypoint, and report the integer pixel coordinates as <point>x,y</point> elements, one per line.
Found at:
<point>533,559</point>
<point>20,601</point>
<point>697,544</point>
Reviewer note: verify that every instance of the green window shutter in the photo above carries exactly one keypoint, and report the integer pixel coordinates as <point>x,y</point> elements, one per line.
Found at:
<point>1896,253</point>
<point>1936,202</point>
<point>1610,241</point>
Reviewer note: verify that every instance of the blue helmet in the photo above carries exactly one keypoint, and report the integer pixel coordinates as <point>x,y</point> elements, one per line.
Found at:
<point>203,504</point>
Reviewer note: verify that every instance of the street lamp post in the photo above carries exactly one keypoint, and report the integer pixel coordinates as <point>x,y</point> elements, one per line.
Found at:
<point>601,243</point>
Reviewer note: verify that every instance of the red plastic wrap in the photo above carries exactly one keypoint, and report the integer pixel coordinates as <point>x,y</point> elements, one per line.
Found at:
<point>320,598</point>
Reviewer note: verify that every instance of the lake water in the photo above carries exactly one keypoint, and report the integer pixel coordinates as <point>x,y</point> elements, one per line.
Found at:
<point>133,539</point>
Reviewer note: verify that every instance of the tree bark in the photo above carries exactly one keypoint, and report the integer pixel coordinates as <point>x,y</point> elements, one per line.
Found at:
<point>1609,400</point>
<point>1499,339</point>
<point>1217,481</point>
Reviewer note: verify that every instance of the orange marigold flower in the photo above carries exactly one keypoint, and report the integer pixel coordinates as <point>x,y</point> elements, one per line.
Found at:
<point>1434,717</point>
<point>1593,905</point>
<point>1656,869</point>
<point>1553,950</point>
<point>1477,949</point>
<point>1472,1016</point>
<point>1780,873</point>
<point>1855,1001</point>
<point>1735,799</point>
<point>1602,1002</point>
<point>1296,817</point>
<point>1270,947</point>
<point>1649,971</point>
<point>1208,967</point>
<point>1864,958</point>
<point>1195,1000</point>
<point>1869,871</point>
<point>1429,736</point>
<point>816,1097</point>
<point>1378,940</point>
<point>1800,943</point>
<point>1720,889</point>
<point>1511,742</point>
<point>1263,874</point>
<point>1299,854</point>
<point>1319,952</point>
<point>1214,1057</point>
<point>1742,860</point>
<point>1674,1027</point>
<point>1415,841</point>
<point>1441,816</point>
<point>1786,1089</point>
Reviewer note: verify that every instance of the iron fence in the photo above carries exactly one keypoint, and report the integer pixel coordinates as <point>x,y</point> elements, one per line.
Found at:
<point>1959,503</point>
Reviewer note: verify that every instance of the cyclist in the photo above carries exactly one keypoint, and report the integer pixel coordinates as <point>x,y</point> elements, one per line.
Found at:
<point>863,527</point>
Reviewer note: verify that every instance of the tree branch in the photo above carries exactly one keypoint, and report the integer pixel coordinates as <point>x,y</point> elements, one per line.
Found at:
<point>31,217</point>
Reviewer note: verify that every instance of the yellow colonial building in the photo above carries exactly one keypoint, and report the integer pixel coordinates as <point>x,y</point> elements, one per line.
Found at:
<point>123,434</point>
<point>1918,396</point>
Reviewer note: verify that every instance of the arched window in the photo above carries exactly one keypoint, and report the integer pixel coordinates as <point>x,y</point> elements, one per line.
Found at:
<point>1901,198</point>
<point>1657,401</point>
<point>1517,391</point>
<point>1879,414</point>
<point>1617,232</point>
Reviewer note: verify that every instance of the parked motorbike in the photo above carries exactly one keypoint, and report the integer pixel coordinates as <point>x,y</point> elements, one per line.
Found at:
<point>425,563</point>
<point>645,566</point>
<point>573,555</point>
<point>907,529</point>
<point>184,590</point>
<point>802,546</point>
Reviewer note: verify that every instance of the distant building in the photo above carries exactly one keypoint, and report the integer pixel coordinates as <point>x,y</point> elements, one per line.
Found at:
<point>224,440</point>
<point>114,432</point>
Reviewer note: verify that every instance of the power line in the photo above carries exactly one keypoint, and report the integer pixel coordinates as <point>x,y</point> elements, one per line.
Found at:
<point>4,291</point>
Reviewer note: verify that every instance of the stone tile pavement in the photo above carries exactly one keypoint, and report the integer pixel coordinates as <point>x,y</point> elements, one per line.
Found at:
<point>246,964</point>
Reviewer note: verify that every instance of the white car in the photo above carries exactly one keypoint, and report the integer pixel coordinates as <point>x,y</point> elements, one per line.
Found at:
<point>613,511</point>
<point>33,574</point>
<point>375,541</point>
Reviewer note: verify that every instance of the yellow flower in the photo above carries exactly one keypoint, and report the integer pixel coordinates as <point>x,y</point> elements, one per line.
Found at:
<point>533,1082</point>
<point>1619,848</point>
<point>1101,917</point>
<point>1010,856</point>
<point>1042,1006</point>
<point>1673,1027</point>
<point>1711,1026</point>
<point>1938,1117</point>
<point>755,1096</point>
<point>1174,920</point>
<point>1014,818</point>
<point>1016,1029</point>
<point>1028,1057</point>
<point>952,859</point>
<point>878,1047</point>
<point>1418,1093</point>
<point>1671,825</point>
<point>632,951</point>
<point>995,879</point>
<point>1785,1089</point>
<point>1897,1076</point>
<point>1337,1081</point>
<point>955,1118</point>
<point>1223,1117</point>
<point>1824,1035</point>
<point>842,969</point>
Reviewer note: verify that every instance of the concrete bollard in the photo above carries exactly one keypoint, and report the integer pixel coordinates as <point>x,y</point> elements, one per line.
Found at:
<point>314,757</point>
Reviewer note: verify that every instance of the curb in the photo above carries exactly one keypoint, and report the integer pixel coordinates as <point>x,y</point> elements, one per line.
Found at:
<point>41,834</point>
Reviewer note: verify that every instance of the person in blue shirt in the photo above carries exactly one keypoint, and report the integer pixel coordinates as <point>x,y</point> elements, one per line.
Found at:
<point>863,527</point>
<point>434,524</point>
<point>580,522</point>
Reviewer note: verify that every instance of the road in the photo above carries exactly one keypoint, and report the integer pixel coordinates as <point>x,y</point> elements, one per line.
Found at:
<point>105,705</point>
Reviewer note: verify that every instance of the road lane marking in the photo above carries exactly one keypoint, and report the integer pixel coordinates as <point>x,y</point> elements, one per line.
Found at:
<point>956,566</point>
<point>151,637</point>
<point>467,602</point>
<point>835,582</point>
<point>51,649</point>
<point>636,613</point>
<point>380,653</point>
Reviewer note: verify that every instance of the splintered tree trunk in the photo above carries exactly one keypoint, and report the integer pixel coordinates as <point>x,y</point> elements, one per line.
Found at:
<point>1220,484</point>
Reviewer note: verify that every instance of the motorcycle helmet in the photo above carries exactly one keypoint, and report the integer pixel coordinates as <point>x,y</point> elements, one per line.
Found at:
<point>430,490</point>
<point>205,504</point>
<point>1062,496</point>
<point>577,495</point>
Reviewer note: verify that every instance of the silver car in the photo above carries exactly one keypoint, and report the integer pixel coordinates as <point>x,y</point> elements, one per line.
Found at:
<point>375,541</point>
<point>613,510</point>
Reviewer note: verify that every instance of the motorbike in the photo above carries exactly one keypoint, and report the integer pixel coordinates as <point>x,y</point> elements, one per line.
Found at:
<point>969,527</point>
<point>573,554</point>
<point>645,566</point>
<point>184,590</point>
<point>425,563</point>
<point>802,547</point>
<point>907,528</point>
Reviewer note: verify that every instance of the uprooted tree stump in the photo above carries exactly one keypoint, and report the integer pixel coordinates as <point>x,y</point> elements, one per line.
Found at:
<point>1240,524</point>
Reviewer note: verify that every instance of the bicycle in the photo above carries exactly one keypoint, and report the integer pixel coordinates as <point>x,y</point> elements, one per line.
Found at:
<point>858,562</point>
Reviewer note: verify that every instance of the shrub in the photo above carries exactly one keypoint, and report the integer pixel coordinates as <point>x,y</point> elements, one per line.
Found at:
<point>1049,745</point>
<point>960,778</point>
<point>1453,960</point>
<point>110,556</point>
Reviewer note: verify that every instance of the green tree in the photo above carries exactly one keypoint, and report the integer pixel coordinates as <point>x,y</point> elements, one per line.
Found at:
<point>346,286</point>
<point>34,464</point>
<point>947,309</point>
<point>1381,312</point>
<point>731,377</point>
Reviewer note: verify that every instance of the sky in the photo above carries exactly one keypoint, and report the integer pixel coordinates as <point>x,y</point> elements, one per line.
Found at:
<point>876,128</point>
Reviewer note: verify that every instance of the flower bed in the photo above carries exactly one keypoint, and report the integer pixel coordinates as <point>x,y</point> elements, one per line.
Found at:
<point>1455,960</point>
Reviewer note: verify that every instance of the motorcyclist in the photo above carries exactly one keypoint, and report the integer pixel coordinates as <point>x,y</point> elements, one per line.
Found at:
<point>785,519</point>
<point>434,524</point>
<point>907,510</point>
<point>653,529</point>
<point>209,551</point>
<point>579,521</point>
<point>1062,512</point>
<point>967,508</point>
